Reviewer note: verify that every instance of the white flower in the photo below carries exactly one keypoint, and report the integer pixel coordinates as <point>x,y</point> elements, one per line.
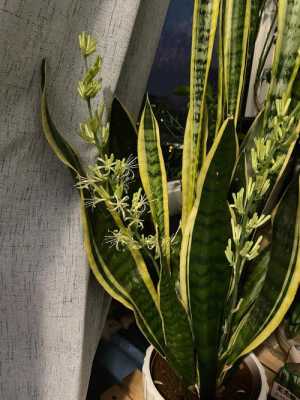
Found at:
<point>121,240</point>
<point>93,201</point>
<point>119,205</point>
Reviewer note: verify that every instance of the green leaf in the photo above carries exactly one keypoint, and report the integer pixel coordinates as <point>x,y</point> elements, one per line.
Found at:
<point>282,180</point>
<point>244,159</point>
<point>67,155</point>
<point>96,261</point>
<point>236,25</point>
<point>292,325</point>
<point>204,29</point>
<point>210,115</point>
<point>254,281</point>
<point>296,88</point>
<point>120,271</point>
<point>123,133</point>
<point>255,20</point>
<point>122,274</point>
<point>154,178</point>
<point>60,147</point>
<point>220,103</point>
<point>208,271</point>
<point>293,328</point>
<point>123,141</point>
<point>281,283</point>
<point>177,330</point>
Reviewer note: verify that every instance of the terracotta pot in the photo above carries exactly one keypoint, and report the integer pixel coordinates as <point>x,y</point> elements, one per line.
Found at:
<point>257,371</point>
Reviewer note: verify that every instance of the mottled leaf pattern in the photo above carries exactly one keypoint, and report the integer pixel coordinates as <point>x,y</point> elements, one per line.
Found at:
<point>121,272</point>
<point>254,281</point>
<point>236,25</point>
<point>154,177</point>
<point>208,272</point>
<point>204,28</point>
<point>177,330</point>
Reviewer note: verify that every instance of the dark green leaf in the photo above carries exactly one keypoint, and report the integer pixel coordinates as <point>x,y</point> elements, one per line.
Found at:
<point>209,271</point>
<point>177,330</point>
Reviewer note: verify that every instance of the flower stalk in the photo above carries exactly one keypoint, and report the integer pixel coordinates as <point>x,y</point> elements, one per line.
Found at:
<point>267,158</point>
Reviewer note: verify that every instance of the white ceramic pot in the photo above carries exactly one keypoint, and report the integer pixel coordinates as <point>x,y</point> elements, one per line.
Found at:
<point>174,190</point>
<point>151,393</point>
<point>290,346</point>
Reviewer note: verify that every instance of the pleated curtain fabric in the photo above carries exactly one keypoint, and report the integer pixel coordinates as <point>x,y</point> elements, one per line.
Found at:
<point>52,311</point>
<point>266,24</point>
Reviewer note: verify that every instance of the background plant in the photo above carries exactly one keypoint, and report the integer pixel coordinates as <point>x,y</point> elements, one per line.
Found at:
<point>219,288</point>
<point>292,320</point>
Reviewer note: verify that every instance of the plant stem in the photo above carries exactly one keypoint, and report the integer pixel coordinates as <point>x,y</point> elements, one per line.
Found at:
<point>238,270</point>
<point>149,254</point>
<point>89,105</point>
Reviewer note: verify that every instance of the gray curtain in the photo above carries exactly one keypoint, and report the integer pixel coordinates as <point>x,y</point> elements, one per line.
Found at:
<point>266,23</point>
<point>51,310</point>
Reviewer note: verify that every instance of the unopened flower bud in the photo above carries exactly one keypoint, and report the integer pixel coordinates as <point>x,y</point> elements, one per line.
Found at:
<point>87,44</point>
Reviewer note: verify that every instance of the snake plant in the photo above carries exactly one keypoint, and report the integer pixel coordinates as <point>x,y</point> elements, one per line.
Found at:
<point>217,288</point>
<point>291,324</point>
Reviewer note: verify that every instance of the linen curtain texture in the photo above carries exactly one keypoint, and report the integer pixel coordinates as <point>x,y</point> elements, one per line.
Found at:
<point>52,311</point>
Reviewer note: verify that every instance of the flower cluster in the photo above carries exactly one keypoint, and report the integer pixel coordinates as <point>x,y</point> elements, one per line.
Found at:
<point>107,175</point>
<point>94,130</point>
<point>89,87</point>
<point>267,158</point>
<point>108,180</point>
<point>87,44</point>
<point>123,238</point>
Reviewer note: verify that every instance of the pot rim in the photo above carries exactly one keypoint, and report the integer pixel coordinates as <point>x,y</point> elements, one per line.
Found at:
<point>284,342</point>
<point>253,363</point>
